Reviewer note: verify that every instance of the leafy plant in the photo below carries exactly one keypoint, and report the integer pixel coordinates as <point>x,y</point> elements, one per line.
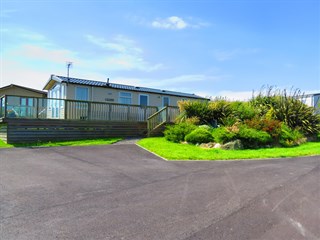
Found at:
<point>199,135</point>
<point>223,135</point>
<point>289,137</point>
<point>287,107</point>
<point>243,110</point>
<point>252,138</point>
<point>211,113</point>
<point>271,126</point>
<point>177,132</point>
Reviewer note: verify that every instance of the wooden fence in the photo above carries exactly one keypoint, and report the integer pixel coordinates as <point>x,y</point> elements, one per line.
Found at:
<point>50,108</point>
<point>33,130</point>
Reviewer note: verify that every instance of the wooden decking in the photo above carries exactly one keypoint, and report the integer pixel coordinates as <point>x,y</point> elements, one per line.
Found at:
<point>41,119</point>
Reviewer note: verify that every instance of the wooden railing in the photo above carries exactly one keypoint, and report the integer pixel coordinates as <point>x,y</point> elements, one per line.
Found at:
<point>51,108</point>
<point>164,115</point>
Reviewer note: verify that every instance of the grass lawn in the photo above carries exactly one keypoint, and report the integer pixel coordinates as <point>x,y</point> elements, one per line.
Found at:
<point>176,151</point>
<point>100,141</point>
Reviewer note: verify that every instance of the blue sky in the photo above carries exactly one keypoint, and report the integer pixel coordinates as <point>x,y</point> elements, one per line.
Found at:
<point>211,48</point>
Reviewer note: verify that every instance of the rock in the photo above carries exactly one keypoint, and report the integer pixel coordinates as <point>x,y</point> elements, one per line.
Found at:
<point>207,145</point>
<point>217,145</point>
<point>234,145</point>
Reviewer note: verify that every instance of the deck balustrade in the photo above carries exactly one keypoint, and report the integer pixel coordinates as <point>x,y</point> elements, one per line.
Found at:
<point>51,108</point>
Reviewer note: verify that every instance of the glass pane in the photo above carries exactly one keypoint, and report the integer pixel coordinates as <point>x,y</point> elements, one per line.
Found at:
<point>23,101</point>
<point>125,94</point>
<point>125,100</point>
<point>165,101</point>
<point>30,102</point>
<point>143,100</point>
<point>82,93</point>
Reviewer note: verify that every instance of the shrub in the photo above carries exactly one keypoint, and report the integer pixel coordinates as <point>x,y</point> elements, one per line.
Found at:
<point>193,120</point>
<point>271,126</point>
<point>207,127</point>
<point>223,135</point>
<point>199,135</point>
<point>199,109</point>
<point>243,110</point>
<point>177,132</point>
<point>287,107</point>
<point>290,138</point>
<point>211,113</point>
<point>252,138</point>
<point>220,109</point>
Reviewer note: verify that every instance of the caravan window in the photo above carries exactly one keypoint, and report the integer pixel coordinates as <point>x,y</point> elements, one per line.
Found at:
<point>82,93</point>
<point>125,98</point>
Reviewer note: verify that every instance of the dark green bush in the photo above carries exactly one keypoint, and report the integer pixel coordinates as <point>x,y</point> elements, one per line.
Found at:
<point>289,137</point>
<point>223,135</point>
<point>252,138</point>
<point>177,132</point>
<point>199,135</point>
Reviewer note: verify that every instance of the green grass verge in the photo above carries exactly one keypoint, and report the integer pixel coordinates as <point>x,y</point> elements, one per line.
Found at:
<point>176,151</point>
<point>100,141</point>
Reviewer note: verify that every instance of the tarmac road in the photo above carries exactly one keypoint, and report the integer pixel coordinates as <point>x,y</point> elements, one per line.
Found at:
<point>124,192</point>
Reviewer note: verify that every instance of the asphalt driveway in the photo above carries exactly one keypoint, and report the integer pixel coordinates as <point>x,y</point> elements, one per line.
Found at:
<point>123,192</point>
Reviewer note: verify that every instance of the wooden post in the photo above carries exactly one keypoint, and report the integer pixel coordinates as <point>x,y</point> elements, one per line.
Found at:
<point>109,112</point>
<point>128,112</point>
<point>167,115</point>
<point>65,109</point>
<point>5,106</point>
<point>89,111</point>
<point>145,113</point>
<point>37,113</point>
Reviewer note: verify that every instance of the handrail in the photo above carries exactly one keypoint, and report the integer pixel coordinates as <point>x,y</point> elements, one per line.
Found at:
<point>157,119</point>
<point>164,115</point>
<point>156,113</point>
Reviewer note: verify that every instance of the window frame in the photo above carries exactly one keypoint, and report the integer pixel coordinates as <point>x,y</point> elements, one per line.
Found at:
<point>75,95</point>
<point>143,95</point>
<point>125,97</point>
<point>163,97</point>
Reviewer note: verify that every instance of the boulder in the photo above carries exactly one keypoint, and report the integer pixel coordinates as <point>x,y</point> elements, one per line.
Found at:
<point>217,145</point>
<point>234,145</point>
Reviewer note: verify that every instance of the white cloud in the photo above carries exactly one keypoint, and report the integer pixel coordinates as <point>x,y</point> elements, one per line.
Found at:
<point>119,44</point>
<point>17,73</point>
<point>35,52</point>
<point>224,55</point>
<point>24,34</point>
<point>173,22</point>
<point>124,55</point>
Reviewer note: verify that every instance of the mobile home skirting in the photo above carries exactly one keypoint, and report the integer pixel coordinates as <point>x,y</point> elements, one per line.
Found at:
<point>33,130</point>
